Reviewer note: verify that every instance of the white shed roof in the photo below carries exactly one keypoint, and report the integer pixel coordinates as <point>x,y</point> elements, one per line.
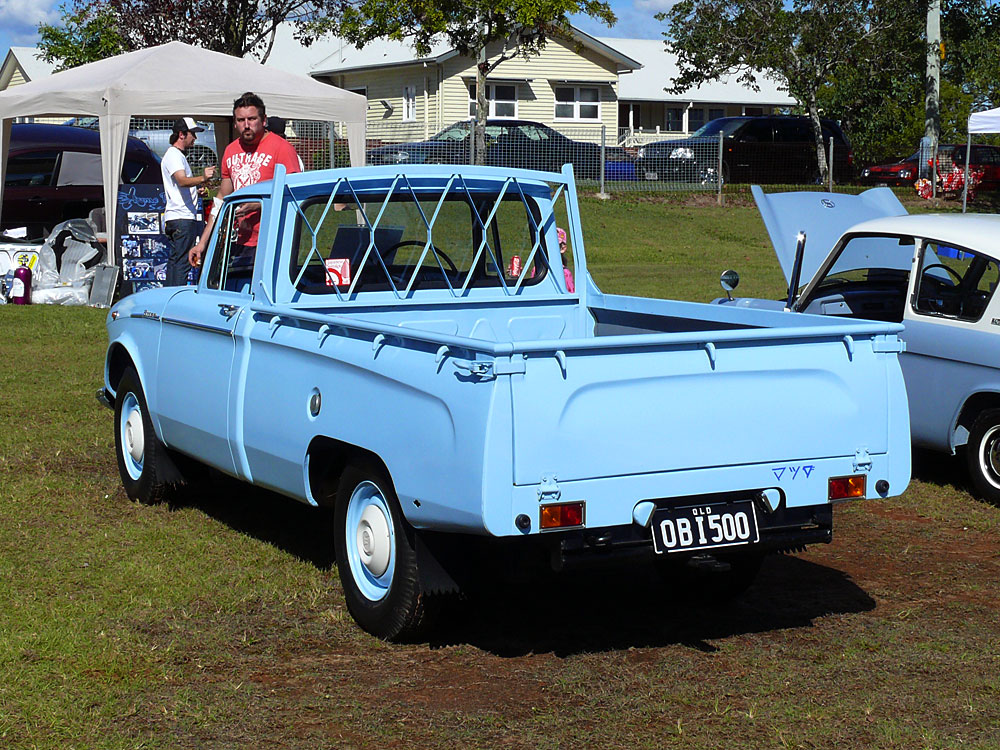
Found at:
<point>660,66</point>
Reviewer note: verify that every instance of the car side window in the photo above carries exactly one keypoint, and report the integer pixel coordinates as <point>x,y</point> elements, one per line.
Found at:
<point>955,282</point>
<point>757,130</point>
<point>791,131</point>
<point>231,265</point>
<point>34,169</point>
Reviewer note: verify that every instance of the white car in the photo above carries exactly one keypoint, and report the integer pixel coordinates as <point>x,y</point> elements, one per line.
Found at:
<point>863,256</point>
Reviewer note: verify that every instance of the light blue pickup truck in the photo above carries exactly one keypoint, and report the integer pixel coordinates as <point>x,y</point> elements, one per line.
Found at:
<point>403,345</point>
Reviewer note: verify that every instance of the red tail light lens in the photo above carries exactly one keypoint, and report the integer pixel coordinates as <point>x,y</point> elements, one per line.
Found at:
<point>561,516</point>
<point>847,488</point>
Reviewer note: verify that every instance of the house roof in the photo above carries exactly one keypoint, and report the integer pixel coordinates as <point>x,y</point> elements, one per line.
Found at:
<point>660,66</point>
<point>31,65</point>
<point>386,53</point>
<point>290,55</point>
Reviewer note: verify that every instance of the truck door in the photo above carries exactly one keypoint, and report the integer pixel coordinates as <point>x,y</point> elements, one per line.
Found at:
<point>199,342</point>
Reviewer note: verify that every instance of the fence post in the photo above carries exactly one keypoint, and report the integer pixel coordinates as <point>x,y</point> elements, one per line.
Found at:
<point>332,133</point>
<point>965,185</point>
<point>934,170</point>
<point>718,170</point>
<point>604,138</point>
<point>829,165</point>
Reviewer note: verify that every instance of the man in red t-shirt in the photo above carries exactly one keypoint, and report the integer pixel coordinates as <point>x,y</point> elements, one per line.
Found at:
<point>249,159</point>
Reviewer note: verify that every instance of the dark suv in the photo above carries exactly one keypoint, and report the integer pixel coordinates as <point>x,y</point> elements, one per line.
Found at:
<point>54,173</point>
<point>754,149</point>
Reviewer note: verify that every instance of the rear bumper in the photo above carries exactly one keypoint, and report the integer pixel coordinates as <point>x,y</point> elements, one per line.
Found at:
<point>783,530</point>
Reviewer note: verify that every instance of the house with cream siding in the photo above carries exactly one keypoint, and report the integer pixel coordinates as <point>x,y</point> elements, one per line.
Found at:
<point>571,84</point>
<point>23,64</point>
<point>644,106</point>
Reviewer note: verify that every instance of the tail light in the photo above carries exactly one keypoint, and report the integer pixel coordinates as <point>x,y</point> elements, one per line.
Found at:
<point>561,515</point>
<point>846,488</point>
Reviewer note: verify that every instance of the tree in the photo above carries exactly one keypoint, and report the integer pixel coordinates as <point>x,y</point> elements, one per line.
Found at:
<point>236,27</point>
<point>474,28</point>
<point>85,35</point>
<point>800,44</point>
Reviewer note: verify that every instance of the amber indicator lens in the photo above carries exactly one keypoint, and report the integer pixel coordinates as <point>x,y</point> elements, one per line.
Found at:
<point>845,488</point>
<point>561,515</point>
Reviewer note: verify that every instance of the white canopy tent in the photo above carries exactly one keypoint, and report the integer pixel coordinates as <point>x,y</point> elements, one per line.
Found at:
<point>979,122</point>
<point>172,79</point>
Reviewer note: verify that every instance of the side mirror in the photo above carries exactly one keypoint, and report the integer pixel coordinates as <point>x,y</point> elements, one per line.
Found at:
<point>729,280</point>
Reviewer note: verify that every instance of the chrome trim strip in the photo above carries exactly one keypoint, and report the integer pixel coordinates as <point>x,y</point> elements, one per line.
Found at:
<point>198,326</point>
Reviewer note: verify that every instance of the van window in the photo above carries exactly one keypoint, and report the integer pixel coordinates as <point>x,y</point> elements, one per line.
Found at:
<point>33,169</point>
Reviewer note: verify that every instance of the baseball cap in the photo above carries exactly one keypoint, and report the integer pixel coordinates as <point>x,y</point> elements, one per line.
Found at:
<point>187,125</point>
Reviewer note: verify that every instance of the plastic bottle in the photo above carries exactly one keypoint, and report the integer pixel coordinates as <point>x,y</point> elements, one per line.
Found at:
<point>20,292</point>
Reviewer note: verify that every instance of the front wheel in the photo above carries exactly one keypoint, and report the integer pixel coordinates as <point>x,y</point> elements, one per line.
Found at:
<point>376,557</point>
<point>142,459</point>
<point>982,455</point>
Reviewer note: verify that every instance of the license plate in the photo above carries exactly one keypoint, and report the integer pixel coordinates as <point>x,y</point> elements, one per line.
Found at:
<point>705,527</point>
<point>652,176</point>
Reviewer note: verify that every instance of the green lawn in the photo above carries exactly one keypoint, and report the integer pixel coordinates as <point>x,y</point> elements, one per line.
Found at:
<point>220,624</point>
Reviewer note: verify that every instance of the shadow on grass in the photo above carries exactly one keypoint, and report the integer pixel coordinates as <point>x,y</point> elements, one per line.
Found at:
<point>583,612</point>
<point>566,613</point>
<point>299,529</point>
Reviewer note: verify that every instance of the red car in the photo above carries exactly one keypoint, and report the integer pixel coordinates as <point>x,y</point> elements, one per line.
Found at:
<point>905,172</point>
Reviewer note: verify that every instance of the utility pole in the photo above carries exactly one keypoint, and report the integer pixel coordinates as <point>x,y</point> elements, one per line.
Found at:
<point>932,99</point>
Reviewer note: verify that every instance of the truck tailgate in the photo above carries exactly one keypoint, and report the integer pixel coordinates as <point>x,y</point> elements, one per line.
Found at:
<point>592,412</point>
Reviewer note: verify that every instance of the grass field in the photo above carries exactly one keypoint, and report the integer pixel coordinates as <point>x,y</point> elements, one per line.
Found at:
<point>221,624</point>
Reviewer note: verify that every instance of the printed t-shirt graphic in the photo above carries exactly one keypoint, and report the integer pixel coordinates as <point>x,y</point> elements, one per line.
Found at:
<point>249,166</point>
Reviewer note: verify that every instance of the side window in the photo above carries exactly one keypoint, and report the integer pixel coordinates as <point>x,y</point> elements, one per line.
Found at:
<point>34,169</point>
<point>955,282</point>
<point>232,261</point>
<point>792,131</point>
<point>757,131</point>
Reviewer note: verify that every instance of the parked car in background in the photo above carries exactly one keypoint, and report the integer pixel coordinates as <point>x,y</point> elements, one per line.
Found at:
<point>864,257</point>
<point>520,144</point>
<point>54,174</point>
<point>754,149</point>
<point>903,173</point>
<point>155,133</point>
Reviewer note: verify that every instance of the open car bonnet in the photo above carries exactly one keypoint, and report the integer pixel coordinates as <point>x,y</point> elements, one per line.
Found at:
<point>824,217</point>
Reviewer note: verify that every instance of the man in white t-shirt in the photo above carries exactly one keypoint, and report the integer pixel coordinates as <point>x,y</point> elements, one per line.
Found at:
<point>181,223</point>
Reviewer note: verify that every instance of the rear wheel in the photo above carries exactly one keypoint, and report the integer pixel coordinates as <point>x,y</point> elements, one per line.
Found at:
<point>982,455</point>
<point>376,557</point>
<point>143,462</point>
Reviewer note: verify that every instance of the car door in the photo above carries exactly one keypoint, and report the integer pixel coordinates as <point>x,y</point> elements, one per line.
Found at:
<point>950,336</point>
<point>198,343</point>
<point>753,152</point>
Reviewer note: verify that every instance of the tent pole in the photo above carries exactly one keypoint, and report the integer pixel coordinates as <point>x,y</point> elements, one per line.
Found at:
<point>965,187</point>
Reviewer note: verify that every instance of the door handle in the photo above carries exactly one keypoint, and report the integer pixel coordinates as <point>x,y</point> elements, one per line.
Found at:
<point>229,310</point>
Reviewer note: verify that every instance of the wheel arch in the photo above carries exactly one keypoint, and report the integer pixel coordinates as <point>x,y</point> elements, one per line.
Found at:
<point>974,405</point>
<point>326,459</point>
<point>118,360</point>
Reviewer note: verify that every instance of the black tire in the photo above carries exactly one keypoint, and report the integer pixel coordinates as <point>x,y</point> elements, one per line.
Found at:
<point>706,586</point>
<point>376,556</point>
<point>147,472</point>
<point>982,455</point>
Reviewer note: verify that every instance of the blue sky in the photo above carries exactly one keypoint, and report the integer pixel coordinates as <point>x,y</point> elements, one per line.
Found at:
<point>19,20</point>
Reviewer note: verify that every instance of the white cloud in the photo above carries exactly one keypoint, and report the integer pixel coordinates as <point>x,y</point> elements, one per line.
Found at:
<point>21,17</point>
<point>654,6</point>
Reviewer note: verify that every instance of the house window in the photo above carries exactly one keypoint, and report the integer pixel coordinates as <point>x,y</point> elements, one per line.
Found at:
<point>696,118</point>
<point>715,114</point>
<point>753,111</point>
<point>409,103</point>
<point>578,103</point>
<point>501,98</point>
<point>673,119</point>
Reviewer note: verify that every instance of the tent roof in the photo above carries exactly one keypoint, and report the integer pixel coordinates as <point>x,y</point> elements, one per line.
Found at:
<point>985,122</point>
<point>172,76</point>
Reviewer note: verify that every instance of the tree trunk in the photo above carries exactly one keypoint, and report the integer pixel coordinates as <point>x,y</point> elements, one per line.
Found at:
<point>482,107</point>
<point>817,128</point>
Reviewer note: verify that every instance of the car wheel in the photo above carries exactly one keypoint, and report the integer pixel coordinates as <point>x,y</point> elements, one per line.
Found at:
<point>982,454</point>
<point>142,460</point>
<point>710,580</point>
<point>376,557</point>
